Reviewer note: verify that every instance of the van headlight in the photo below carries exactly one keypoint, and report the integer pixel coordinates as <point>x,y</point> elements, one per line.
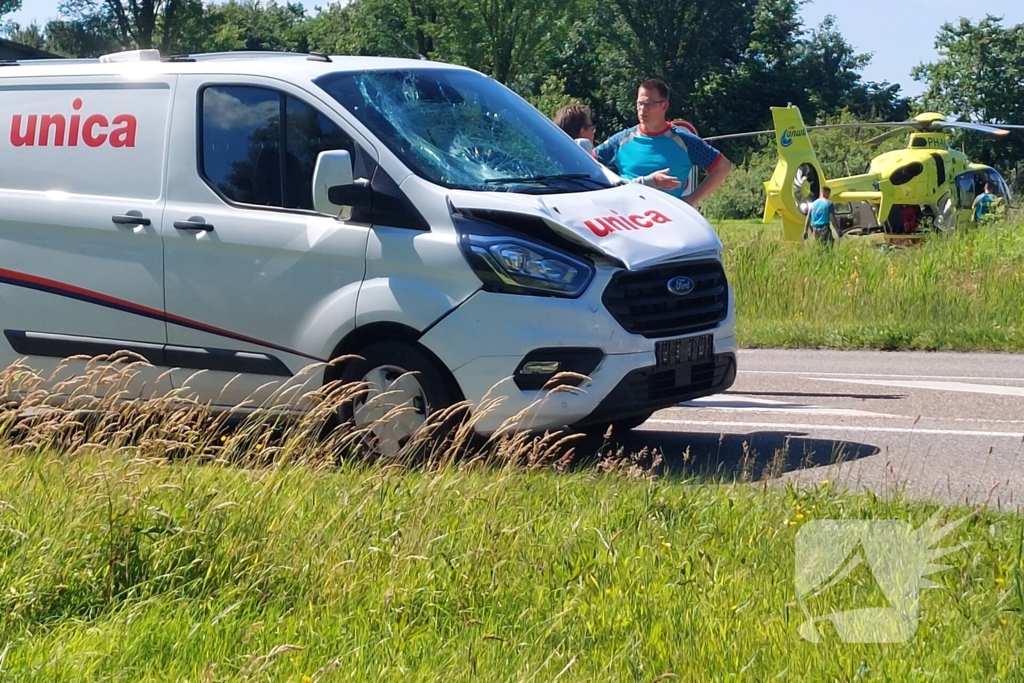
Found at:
<point>517,266</point>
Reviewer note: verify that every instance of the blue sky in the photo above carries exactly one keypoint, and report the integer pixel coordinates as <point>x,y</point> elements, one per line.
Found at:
<point>900,33</point>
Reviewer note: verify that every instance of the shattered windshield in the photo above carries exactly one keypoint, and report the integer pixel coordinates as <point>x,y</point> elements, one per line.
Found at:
<point>461,129</point>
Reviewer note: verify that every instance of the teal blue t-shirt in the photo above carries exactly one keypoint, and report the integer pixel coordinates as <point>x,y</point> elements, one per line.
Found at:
<point>821,212</point>
<point>636,154</point>
<point>983,205</point>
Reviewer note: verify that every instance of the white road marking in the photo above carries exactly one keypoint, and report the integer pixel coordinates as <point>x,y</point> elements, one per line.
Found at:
<point>806,373</point>
<point>932,386</point>
<point>760,405</point>
<point>775,426</point>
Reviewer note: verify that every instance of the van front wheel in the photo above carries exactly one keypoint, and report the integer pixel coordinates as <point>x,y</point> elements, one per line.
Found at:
<point>403,387</point>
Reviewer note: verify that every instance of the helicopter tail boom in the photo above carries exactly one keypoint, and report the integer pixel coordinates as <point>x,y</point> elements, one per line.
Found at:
<point>798,178</point>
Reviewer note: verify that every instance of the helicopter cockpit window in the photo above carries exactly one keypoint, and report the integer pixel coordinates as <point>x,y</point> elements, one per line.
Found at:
<point>997,184</point>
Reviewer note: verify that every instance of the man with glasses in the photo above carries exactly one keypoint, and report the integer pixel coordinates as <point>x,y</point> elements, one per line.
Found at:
<point>655,144</point>
<point>576,120</point>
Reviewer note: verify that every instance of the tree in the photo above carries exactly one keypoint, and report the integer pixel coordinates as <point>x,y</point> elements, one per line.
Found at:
<point>979,76</point>
<point>85,37</point>
<point>138,24</point>
<point>506,39</point>
<point>247,25</point>
<point>8,6</point>
<point>31,35</point>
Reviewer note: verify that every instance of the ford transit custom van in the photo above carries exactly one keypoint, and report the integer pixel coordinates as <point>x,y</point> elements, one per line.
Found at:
<point>236,219</point>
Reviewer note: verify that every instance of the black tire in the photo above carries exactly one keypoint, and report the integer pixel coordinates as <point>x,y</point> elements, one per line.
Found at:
<point>438,385</point>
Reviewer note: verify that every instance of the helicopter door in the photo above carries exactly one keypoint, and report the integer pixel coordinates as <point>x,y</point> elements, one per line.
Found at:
<point>965,195</point>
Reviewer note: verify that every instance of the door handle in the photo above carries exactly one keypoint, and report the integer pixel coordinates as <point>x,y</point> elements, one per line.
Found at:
<point>130,219</point>
<point>193,225</point>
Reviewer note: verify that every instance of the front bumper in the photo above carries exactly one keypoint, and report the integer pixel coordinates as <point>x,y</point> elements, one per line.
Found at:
<point>643,391</point>
<point>485,340</point>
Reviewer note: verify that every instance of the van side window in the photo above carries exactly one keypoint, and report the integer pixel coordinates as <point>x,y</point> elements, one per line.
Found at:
<point>251,158</point>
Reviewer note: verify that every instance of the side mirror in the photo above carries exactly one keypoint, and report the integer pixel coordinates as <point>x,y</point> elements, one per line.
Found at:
<point>335,191</point>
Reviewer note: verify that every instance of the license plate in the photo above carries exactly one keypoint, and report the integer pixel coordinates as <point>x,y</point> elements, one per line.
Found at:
<point>679,351</point>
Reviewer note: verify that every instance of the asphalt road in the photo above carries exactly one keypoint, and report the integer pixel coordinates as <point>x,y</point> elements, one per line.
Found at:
<point>945,426</point>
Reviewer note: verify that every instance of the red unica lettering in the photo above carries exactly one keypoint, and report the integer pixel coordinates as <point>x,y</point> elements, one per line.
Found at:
<point>639,221</point>
<point>125,135</point>
<point>57,123</point>
<point>597,228</point>
<point>76,123</point>
<point>657,216</point>
<point>88,136</point>
<point>69,130</point>
<point>617,223</point>
<point>20,139</point>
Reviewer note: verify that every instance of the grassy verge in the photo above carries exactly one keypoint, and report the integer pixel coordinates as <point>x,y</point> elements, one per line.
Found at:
<point>961,293</point>
<point>126,569</point>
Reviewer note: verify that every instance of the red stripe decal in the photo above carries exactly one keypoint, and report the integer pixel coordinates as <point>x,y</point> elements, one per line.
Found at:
<point>62,288</point>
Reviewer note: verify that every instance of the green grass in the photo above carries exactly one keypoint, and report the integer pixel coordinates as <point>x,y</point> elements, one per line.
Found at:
<point>127,569</point>
<point>962,293</point>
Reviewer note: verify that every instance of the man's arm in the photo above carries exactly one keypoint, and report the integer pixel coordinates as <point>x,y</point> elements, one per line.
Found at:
<point>662,180</point>
<point>807,222</point>
<point>715,177</point>
<point>703,156</point>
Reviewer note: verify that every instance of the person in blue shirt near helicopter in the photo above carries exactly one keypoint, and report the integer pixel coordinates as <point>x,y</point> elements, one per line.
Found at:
<point>821,218</point>
<point>985,204</point>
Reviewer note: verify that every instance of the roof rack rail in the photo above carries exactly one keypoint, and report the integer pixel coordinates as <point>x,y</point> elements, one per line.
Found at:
<point>178,58</point>
<point>9,62</point>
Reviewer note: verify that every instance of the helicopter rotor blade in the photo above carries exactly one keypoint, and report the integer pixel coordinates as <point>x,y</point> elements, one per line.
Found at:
<point>866,124</point>
<point>872,142</point>
<point>731,136</point>
<point>977,127</point>
<point>826,126</point>
<point>1008,126</point>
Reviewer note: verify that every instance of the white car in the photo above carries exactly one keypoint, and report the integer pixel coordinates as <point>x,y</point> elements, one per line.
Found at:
<point>241,217</point>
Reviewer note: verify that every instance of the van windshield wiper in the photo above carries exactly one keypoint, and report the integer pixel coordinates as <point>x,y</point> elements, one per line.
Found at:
<point>541,178</point>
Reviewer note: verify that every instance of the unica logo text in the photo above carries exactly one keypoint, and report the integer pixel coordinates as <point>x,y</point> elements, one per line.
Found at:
<point>58,130</point>
<point>617,221</point>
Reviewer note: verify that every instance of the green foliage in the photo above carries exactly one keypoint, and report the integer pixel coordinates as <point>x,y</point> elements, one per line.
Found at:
<point>251,25</point>
<point>31,35</point>
<point>979,76</point>
<point>957,293</point>
<point>8,6</point>
<point>122,569</point>
<point>552,97</point>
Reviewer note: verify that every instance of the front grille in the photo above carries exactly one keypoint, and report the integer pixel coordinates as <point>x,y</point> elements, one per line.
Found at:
<point>642,303</point>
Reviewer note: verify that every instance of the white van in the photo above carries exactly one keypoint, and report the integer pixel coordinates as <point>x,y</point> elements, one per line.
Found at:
<point>241,216</point>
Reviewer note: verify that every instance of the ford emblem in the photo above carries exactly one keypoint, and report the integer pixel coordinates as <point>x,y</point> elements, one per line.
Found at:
<point>681,286</point>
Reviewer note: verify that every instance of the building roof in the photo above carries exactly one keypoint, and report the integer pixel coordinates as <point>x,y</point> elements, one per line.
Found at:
<point>12,50</point>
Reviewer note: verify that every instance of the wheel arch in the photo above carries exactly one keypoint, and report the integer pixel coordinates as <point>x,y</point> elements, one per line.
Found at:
<point>363,336</point>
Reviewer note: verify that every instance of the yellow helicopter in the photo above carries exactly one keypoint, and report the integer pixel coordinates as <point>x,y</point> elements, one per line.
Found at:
<point>904,195</point>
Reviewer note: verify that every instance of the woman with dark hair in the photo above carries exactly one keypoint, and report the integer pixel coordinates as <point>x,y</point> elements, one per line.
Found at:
<point>575,120</point>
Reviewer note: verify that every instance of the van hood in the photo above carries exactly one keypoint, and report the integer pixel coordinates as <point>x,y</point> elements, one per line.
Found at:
<point>636,225</point>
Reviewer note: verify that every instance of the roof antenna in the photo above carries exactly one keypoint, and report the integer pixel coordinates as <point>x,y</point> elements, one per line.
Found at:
<point>406,46</point>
